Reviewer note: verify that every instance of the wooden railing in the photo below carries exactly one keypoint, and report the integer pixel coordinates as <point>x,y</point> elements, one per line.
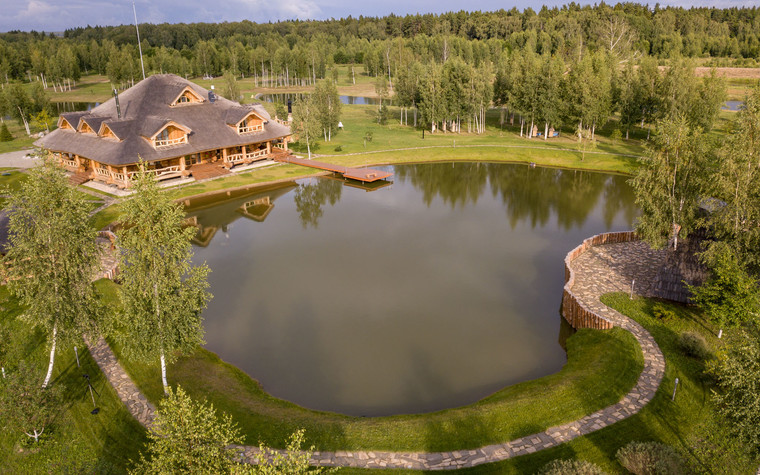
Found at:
<point>69,163</point>
<point>256,154</point>
<point>167,142</point>
<point>159,173</point>
<point>240,158</point>
<point>103,172</point>
<point>283,122</point>
<point>255,128</point>
<point>278,146</point>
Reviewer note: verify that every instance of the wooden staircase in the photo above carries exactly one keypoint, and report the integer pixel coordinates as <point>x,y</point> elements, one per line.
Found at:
<point>204,171</point>
<point>76,179</point>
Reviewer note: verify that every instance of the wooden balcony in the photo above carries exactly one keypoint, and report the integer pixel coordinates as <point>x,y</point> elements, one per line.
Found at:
<point>248,130</point>
<point>168,142</point>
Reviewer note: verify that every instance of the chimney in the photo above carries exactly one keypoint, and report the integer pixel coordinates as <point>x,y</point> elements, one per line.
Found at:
<point>118,108</point>
<point>211,95</point>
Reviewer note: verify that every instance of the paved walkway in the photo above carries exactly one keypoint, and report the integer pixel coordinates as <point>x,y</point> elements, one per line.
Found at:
<point>19,159</point>
<point>602,269</point>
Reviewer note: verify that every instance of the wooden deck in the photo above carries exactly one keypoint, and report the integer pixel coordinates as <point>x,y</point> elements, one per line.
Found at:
<point>365,175</point>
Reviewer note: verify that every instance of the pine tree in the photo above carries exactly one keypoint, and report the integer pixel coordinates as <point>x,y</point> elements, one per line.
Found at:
<point>162,293</point>
<point>5,134</point>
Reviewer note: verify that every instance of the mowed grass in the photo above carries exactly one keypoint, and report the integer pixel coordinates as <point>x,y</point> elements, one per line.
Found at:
<point>12,179</point>
<point>76,437</point>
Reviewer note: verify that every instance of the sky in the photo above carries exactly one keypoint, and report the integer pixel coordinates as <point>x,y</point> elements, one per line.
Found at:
<point>58,15</point>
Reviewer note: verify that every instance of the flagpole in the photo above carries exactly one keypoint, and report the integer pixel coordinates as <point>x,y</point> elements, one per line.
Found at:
<point>139,46</point>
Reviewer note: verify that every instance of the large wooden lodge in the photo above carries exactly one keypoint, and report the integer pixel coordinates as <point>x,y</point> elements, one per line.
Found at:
<point>173,126</point>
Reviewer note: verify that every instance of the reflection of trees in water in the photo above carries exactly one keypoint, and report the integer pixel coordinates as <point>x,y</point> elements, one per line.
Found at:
<point>311,197</point>
<point>619,197</point>
<point>530,194</point>
<point>455,183</point>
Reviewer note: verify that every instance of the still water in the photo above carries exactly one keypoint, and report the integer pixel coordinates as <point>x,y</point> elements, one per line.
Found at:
<point>429,293</point>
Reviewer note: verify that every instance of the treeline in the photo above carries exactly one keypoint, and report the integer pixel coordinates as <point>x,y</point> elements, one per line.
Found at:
<point>299,52</point>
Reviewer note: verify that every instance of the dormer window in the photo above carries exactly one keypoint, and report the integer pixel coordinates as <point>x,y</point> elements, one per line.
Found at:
<point>187,96</point>
<point>250,124</point>
<point>85,128</point>
<point>170,135</point>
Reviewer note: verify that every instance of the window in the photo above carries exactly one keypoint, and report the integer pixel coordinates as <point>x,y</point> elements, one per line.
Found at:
<point>183,99</point>
<point>164,135</point>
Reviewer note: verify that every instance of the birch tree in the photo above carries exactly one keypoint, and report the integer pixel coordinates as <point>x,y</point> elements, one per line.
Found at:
<point>163,294</point>
<point>669,183</point>
<point>52,258</point>
<point>737,184</point>
<point>306,121</point>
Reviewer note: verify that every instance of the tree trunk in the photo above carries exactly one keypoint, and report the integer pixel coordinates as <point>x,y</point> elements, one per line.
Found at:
<point>163,373</point>
<point>626,134</point>
<point>546,130</point>
<point>52,358</point>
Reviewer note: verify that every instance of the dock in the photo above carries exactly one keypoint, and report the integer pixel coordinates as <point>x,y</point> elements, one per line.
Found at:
<point>364,175</point>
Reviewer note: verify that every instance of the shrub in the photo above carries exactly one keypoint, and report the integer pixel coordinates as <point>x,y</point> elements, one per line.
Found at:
<point>571,467</point>
<point>694,344</point>
<point>5,134</point>
<point>339,148</point>
<point>663,313</point>
<point>616,136</point>
<point>650,458</point>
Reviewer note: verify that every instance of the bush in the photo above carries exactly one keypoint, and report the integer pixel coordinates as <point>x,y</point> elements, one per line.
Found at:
<point>339,148</point>
<point>694,344</point>
<point>5,134</point>
<point>616,136</point>
<point>663,313</point>
<point>571,467</point>
<point>650,458</point>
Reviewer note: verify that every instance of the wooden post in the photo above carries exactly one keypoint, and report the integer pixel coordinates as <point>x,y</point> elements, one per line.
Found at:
<point>125,172</point>
<point>269,147</point>
<point>224,159</point>
<point>183,166</point>
<point>111,179</point>
<point>78,162</point>
<point>245,153</point>
<point>285,143</point>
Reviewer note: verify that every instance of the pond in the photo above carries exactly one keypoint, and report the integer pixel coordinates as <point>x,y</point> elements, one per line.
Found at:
<point>62,107</point>
<point>284,97</point>
<point>732,105</point>
<point>431,292</point>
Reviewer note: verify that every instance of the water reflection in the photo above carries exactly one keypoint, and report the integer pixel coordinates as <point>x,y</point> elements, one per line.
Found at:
<point>429,294</point>
<point>529,194</point>
<point>210,213</point>
<point>311,196</point>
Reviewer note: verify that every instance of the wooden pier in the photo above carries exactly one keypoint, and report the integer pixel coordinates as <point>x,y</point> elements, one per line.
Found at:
<point>364,175</point>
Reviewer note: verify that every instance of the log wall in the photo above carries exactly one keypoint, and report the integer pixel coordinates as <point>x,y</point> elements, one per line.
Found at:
<point>576,314</point>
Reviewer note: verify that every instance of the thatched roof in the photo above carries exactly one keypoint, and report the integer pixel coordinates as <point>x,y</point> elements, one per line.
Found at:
<point>145,109</point>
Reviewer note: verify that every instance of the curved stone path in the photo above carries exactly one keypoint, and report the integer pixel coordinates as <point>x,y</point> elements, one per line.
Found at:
<point>601,269</point>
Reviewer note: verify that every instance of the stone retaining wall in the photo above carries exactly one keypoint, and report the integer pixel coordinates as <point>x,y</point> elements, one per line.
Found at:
<point>576,314</point>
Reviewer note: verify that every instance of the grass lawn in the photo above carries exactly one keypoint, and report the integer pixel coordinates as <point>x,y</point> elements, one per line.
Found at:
<point>76,437</point>
<point>20,139</point>
<point>14,178</point>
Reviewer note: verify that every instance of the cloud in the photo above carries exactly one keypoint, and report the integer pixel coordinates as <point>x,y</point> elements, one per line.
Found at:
<point>58,15</point>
